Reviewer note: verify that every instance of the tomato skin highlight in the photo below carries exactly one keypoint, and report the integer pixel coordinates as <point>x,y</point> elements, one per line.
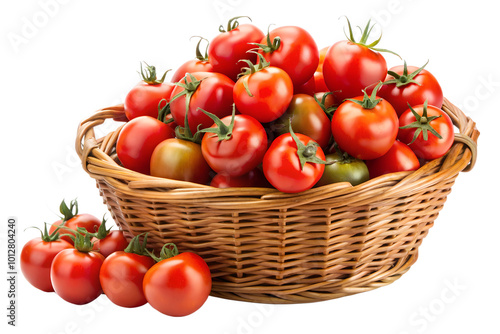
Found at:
<point>143,99</point>
<point>36,259</point>
<point>178,286</point>
<point>214,94</point>
<point>191,66</point>
<point>180,160</point>
<point>282,168</point>
<point>399,158</point>
<point>228,48</point>
<point>115,241</point>
<point>433,147</point>
<point>307,118</point>
<point>239,154</point>
<point>426,88</point>
<point>85,220</point>
<point>75,275</point>
<point>137,140</point>
<point>365,133</point>
<point>298,54</point>
<point>272,91</point>
<point>349,68</point>
<point>121,277</point>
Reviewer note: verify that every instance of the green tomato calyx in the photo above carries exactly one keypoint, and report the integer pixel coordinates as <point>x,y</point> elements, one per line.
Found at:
<point>222,131</point>
<point>422,124</point>
<point>306,153</point>
<point>148,75</point>
<point>405,78</point>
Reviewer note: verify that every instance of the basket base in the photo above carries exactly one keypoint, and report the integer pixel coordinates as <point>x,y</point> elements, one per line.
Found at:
<point>317,292</point>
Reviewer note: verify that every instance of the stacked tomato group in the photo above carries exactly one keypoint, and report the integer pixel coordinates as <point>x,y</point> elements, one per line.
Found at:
<point>274,110</point>
<point>80,259</point>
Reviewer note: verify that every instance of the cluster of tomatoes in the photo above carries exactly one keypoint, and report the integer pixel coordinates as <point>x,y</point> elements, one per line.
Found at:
<point>276,111</point>
<point>80,259</point>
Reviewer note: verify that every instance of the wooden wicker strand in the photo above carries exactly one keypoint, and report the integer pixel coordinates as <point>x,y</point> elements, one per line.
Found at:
<point>266,246</point>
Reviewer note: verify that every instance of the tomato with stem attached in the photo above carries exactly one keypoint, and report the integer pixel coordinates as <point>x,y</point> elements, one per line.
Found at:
<point>179,283</point>
<point>37,256</point>
<point>234,145</point>
<point>75,272</point>
<point>351,66</point>
<point>263,91</point>
<point>122,274</point>
<point>143,99</point>
<point>107,241</point>
<point>293,163</point>
<point>292,49</point>
<point>73,220</point>
<point>198,91</point>
<point>365,127</point>
<point>427,130</point>
<point>232,45</point>
<point>410,85</point>
<point>340,167</point>
<point>199,64</point>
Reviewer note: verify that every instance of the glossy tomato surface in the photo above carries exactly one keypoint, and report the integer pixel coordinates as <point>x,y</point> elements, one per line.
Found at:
<point>121,277</point>
<point>178,286</point>
<point>137,140</point>
<point>399,158</point>
<point>90,222</point>
<point>36,258</point>
<point>75,275</point>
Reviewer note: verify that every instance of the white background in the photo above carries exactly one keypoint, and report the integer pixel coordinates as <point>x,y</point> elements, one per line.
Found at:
<point>62,60</point>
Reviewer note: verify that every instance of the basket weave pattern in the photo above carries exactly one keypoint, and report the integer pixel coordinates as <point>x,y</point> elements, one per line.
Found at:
<point>266,246</point>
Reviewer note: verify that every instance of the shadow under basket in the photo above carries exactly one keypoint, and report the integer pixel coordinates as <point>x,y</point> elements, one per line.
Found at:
<point>270,247</point>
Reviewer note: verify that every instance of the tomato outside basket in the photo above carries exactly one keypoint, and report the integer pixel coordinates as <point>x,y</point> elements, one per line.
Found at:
<point>270,247</point>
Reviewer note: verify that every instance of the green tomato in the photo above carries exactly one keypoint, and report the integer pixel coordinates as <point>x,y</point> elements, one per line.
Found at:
<point>340,168</point>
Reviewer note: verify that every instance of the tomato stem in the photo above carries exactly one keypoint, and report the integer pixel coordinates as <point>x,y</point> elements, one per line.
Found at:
<point>406,78</point>
<point>232,24</point>
<point>364,38</point>
<point>306,153</point>
<point>82,239</point>
<point>270,46</point>
<point>223,131</point>
<point>167,251</point>
<point>149,75</point>
<point>422,124</point>
<point>45,236</point>
<point>199,55</point>
<point>328,111</point>
<point>135,247</point>
<point>369,102</point>
<point>68,212</point>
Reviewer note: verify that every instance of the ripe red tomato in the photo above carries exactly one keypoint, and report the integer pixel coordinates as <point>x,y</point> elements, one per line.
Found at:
<point>75,275</point>
<point>199,91</point>
<point>410,85</point>
<point>350,66</point>
<point>427,130</point>
<point>255,178</point>
<point>263,93</point>
<point>143,99</point>
<point>122,274</point>
<point>322,54</point>
<point>399,158</point>
<point>293,165</point>
<point>72,220</point>
<point>179,159</point>
<point>232,45</point>
<point>137,140</point>
<point>114,241</point>
<point>179,285</point>
<point>292,49</point>
<point>307,117</point>
<point>234,145</point>
<point>199,64</point>
<point>37,256</point>
<point>363,129</point>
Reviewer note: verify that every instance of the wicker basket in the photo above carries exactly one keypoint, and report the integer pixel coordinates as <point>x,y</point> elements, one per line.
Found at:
<point>266,246</point>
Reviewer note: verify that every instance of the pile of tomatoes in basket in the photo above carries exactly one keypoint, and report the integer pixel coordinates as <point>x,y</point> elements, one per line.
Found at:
<point>80,259</point>
<point>275,110</point>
